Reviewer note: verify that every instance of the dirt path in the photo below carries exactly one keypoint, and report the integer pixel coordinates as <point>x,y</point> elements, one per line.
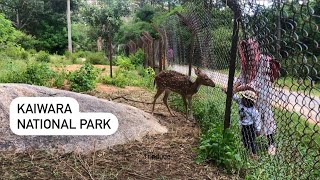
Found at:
<point>168,156</point>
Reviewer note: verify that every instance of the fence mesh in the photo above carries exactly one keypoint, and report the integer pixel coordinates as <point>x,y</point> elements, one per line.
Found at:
<point>276,38</point>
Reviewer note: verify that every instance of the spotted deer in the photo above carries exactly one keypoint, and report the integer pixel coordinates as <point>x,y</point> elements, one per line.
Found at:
<point>167,81</point>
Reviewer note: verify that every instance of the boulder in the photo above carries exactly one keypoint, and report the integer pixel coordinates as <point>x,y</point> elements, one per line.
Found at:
<point>133,123</point>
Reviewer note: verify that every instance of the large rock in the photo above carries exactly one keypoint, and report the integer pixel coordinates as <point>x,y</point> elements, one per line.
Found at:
<point>133,123</point>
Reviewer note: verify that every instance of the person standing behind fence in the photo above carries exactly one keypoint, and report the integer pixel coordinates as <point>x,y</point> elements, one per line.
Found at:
<point>249,119</point>
<point>255,75</point>
<point>170,55</point>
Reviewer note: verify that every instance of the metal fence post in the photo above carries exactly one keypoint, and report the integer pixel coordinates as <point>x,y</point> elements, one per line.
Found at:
<point>232,63</point>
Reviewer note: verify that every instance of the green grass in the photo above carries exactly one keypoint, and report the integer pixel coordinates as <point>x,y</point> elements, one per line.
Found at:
<point>298,141</point>
<point>303,86</point>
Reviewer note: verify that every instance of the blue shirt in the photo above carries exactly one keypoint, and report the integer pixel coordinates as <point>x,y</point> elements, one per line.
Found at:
<point>248,115</point>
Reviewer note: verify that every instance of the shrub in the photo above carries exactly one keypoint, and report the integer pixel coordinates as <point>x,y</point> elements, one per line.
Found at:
<point>81,54</point>
<point>84,79</point>
<point>32,51</point>
<point>124,63</point>
<point>25,55</point>
<point>26,41</point>
<point>60,78</point>
<point>131,77</point>
<point>15,52</point>
<point>12,71</point>
<point>68,54</point>
<point>42,56</point>
<point>96,58</point>
<point>137,58</point>
<point>39,74</point>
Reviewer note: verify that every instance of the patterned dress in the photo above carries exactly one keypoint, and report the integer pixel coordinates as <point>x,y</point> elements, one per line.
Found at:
<point>263,87</point>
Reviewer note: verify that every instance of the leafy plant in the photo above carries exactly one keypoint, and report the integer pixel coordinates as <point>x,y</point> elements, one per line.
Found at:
<point>137,58</point>
<point>84,79</point>
<point>96,58</point>
<point>124,63</point>
<point>42,56</point>
<point>216,145</point>
<point>39,74</point>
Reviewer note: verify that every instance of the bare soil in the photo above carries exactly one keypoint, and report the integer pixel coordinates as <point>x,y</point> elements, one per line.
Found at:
<point>168,156</point>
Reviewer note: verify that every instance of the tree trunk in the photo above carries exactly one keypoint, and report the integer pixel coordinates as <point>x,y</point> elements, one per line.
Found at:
<point>110,53</point>
<point>69,27</point>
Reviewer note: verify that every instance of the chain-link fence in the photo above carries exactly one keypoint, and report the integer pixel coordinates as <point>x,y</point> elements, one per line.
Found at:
<point>268,47</point>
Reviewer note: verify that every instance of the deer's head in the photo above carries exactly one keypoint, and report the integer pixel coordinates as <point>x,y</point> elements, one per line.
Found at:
<point>203,78</point>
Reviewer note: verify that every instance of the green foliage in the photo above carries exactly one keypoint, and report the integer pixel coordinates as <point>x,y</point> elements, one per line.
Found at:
<point>146,13</point>
<point>222,36</point>
<point>7,32</point>
<point>105,19</point>
<point>137,58</point>
<point>219,146</point>
<point>60,78</point>
<point>25,55</point>
<point>39,74</point>
<point>160,16</point>
<point>12,71</point>
<point>32,52</point>
<point>43,56</point>
<point>124,63</point>
<point>81,54</point>
<point>33,73</point>
<point>15,52</point>
<point>26,41</point>
<point>84,79</point>
<point>96,58</point>
<point>133,30</point>
<point>127,75</point>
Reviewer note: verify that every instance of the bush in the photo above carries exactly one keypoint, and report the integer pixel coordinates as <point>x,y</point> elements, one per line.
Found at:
<point>26,41</point>
<point>131,77</point>
<point>15,52</point>
<point>33,73</point>
<point>25,55</point>
<point>124,63</point>
<point>96,58</point>
<point>60,77</point>
<point>81,54</point>
<point>12,71</point>
<point>84,79</point>
<point>137,58</point>
<point>32,51</point>
<point>68,54</point>
<point>42,56</point>
<point>39,74</point>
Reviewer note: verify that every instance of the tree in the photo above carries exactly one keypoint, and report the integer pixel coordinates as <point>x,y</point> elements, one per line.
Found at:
<point>106,19</point>
<point>43,19</point>
<point>69,27</point>
<point>21,12</point>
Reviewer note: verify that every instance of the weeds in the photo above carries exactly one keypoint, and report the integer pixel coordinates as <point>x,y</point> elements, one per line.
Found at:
<point>84,79</point>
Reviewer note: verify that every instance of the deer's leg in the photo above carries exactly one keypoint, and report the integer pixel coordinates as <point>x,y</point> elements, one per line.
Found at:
<point>159,92</point>
<point>190,106</point>
<point>165,100</point>
<point>185,105</point>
